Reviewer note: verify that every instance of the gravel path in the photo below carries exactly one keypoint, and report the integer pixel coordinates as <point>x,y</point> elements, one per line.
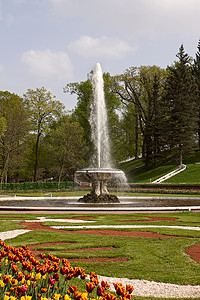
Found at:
<point>145,288</point>
<point>142,288</point>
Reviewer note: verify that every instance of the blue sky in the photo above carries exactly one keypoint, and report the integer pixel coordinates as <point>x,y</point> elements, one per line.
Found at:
<point>54,42</point>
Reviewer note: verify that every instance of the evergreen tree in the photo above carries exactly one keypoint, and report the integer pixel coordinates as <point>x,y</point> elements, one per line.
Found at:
<point>181,96</point>
<point>196,68</point>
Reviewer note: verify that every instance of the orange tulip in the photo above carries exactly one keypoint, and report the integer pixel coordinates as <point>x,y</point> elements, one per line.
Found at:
<point>90,286</point>
<point>72,289</point>
<point>69,276</point>
<point>6,278</point>
<point>77,295</point>
<point>14,268</point>
<point>129,288</point>
<point>42,255</point>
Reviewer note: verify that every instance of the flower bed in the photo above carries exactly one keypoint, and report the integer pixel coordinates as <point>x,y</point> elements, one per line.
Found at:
<point>24,277</point>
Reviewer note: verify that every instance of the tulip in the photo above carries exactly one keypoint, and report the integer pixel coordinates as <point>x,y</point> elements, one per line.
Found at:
<point>129,288</point>
<point>83,276</point>
<point>50,269</point>
<point>94,280</point>
<point>14,268</point>
<point>105,285</point>
<point>67,297</point>
<point>42,255</point>
<point>90,287</point>
<point>6,278</point>
<point>43,290</point>
<point>20,276</point>
<point>63,270</point>
<point>56,276</point>
<point>77,295</point>
<point>109,296</point>
<point>27,276</point>
<point>72,289</point>
<point>14,281</point>
<point>100,291</point>
<point>68,276</point>
<point>51,281</point>
<point>23,289</point>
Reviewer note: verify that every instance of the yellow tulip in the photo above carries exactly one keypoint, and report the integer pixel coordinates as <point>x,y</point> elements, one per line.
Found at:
<point>38,276</point>
<point>67,297</point>
<point>1,283</point>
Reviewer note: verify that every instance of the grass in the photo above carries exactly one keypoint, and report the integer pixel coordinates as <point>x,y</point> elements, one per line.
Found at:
<point>162,260</point>
<point>150,259</point>
<point>147,175</point>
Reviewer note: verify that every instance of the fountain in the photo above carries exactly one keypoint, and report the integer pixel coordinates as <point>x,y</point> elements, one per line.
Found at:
<point>101,170</point>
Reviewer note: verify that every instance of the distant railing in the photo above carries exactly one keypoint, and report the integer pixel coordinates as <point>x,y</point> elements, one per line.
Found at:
<point>36,186</point>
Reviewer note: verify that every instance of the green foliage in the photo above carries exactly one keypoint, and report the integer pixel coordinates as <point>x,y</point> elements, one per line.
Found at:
<point>14,126</point>
<point>143,87</point>
<point>44,110</point>
<point>66,148</point>
<point>180,99</point>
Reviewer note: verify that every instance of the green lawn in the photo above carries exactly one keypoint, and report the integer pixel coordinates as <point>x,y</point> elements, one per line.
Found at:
<point>146,175</point>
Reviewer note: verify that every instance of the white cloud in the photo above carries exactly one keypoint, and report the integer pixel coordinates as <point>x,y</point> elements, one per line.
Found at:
<point>65,7</point>
<point>131,18</point>
<point>87,46</point>
<point>48,64</point>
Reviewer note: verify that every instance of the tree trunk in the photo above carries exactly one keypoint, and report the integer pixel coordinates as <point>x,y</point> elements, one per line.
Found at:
<point>5,169</point>
<point>136,137</point>
<point>61,170</point>
<point>36,158</point>
<point>180,155</point>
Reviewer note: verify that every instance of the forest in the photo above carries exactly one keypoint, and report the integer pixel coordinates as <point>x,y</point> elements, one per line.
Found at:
<point>153,113</point>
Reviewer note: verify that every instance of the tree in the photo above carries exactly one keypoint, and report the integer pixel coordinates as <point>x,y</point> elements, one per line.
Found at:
<point>180,99</point>
<point>14,132</point>
<point>196,68</point>
<point>143,87</point>
<point>67,147</point>
<point>130,132</point>
<point>44,110</point>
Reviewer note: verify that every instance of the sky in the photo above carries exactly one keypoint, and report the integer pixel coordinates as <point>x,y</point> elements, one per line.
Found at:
<point>52,43</point>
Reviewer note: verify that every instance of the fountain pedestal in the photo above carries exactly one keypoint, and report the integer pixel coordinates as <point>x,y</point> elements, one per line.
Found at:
<point>99,178</point>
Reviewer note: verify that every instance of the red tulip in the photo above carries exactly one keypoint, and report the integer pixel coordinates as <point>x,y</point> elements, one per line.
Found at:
<point>100,291</point>
<point>51,281</point>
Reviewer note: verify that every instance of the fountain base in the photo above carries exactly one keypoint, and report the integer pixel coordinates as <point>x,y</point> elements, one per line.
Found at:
<point>93,198</point>
<point>99,178</point>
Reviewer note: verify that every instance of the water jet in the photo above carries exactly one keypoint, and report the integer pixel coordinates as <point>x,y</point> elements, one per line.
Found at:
<point>101,170</point>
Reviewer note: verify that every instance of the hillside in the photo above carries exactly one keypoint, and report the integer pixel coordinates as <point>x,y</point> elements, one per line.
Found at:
<point>137,173</point>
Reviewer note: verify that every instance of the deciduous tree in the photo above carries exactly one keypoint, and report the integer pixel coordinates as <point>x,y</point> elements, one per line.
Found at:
<point>44,110</point>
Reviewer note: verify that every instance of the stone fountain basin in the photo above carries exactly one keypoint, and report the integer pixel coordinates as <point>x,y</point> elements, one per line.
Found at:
<point>100,173</point>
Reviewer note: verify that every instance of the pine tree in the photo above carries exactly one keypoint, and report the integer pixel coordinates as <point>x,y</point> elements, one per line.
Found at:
<point>181,97</point>
<point>196,68</point>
